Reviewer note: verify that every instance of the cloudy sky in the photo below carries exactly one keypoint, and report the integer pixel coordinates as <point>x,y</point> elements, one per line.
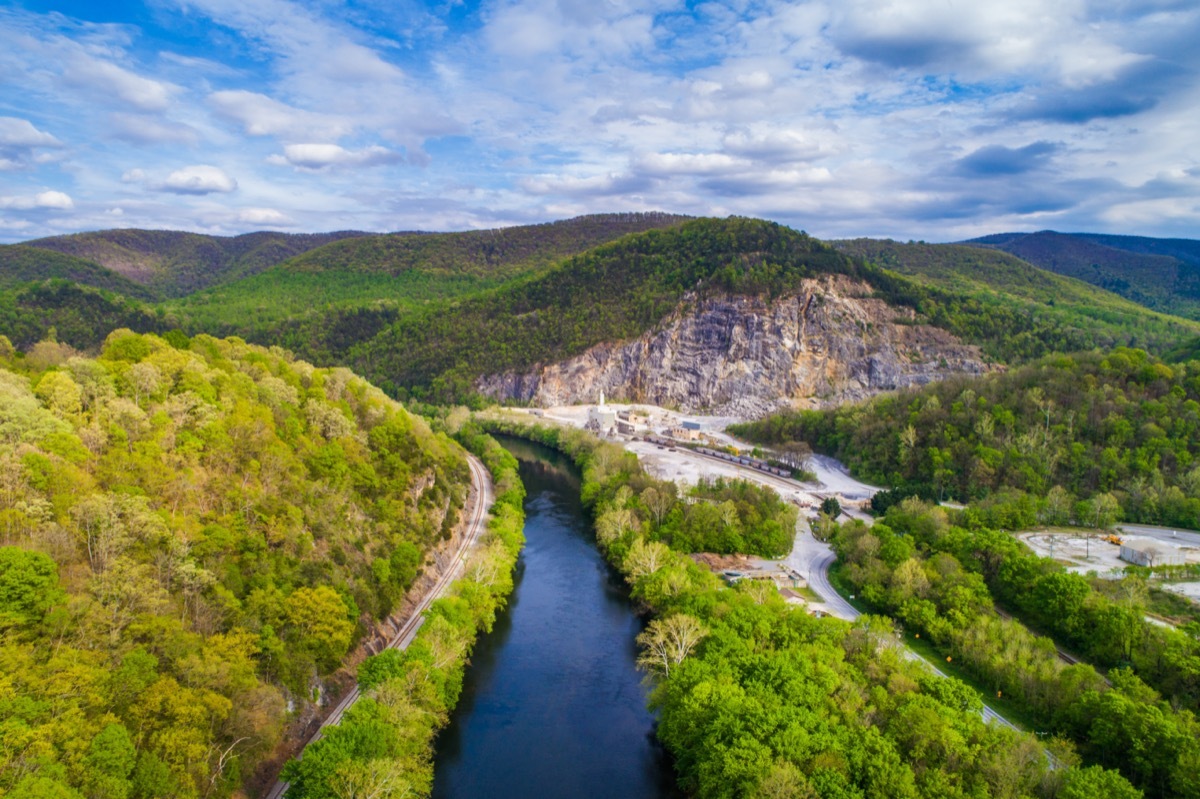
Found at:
<point>924,119</point>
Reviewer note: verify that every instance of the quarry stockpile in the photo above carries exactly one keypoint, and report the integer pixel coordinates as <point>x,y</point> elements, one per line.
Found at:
<point>826,344</point>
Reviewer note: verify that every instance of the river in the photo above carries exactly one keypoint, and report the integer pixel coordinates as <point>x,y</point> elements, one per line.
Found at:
<point>552,704</point>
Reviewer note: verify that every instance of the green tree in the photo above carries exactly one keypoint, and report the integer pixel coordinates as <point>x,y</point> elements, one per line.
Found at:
<point>28,586</point>
<point>110,761</point>
<point>1094,782</point>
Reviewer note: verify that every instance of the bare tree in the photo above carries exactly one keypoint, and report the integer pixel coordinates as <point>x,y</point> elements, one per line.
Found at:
<point>666,642</point>
<point>644,559</point>
<point>658,501</point>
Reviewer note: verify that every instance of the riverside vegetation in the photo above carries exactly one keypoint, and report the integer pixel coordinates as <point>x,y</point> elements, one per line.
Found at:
<point>757,698</point>
<point>383,745</point>
<point>193,535</point>
<point>940,580</point>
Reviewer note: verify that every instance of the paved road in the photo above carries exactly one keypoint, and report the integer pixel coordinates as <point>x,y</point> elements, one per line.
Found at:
<point>408,631</point>
<point>812,559</point>
<point>1175,535</point>
<point>818,580</point>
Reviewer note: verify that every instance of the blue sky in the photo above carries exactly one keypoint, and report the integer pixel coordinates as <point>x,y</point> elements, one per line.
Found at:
<point>923,119</point>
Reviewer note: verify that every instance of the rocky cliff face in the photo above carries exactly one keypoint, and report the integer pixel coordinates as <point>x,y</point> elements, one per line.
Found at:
<point>743,356</point>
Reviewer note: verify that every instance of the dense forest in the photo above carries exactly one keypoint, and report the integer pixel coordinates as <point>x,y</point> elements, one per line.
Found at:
<point>465,304</point>
<point>193,535</point>
<point>621,290</point>
<point>757,698</point>
<point>383,746</point>
<point>358,286</point>
<point>172,263</point>
<point>1163,274</point>
<point>938,580</point>
<point>1087,435</point>
<point>20,264</point>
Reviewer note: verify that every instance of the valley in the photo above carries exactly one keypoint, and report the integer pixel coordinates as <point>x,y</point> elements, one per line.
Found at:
<point>933,404</point>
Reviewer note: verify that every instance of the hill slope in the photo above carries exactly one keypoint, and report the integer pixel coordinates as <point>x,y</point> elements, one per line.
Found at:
<point>173,263</point>
<point>642,285</point>
<point>194,538</point>
<point>1163,274</point>
<point>372,277</point>
<point>20,264</point>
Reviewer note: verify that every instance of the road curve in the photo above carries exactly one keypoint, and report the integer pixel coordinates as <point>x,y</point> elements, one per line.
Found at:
<point>404,636</point>
<point>817,573</point>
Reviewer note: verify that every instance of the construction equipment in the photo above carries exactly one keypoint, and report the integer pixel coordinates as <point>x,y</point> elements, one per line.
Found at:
<point>1114,539</point>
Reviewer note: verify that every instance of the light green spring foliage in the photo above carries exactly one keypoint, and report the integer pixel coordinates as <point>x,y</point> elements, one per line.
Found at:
<point>758,699</point>
<point>939,579</point>
<point>191,538</point>
<point>1093,426</point>
<point>383,746</point>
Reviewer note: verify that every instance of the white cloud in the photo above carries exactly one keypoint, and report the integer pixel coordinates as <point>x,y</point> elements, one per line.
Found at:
<point>16,132</point>
<point>51,200</point>
<point>200,179</point>
<point>323,156</point>
<point>20,143</point>
<point>259,115</point>
<point>689,163</point>
<point>146,129</point>
<point>97,75</point>
<point>264,216</point>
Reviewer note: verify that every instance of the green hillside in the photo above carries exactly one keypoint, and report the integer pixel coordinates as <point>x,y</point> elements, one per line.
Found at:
<point>1121,424</point>
<point>193,539</point>
<point>1163,274</point>
<point>173,263</point>
<point>80,316</point>
<point>989,274</point>
<point>380,275</point>
<point>21,264</point>
<point>621,290</point>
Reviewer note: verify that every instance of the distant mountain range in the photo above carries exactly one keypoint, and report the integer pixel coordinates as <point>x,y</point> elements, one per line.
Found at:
<point>1163,274</point>
<point>653,305</point>
<point>171,263</point>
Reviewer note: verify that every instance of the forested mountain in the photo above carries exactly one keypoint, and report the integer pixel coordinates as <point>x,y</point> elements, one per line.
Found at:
<point>1163,274</point>
<point>192,536</point>
<point>623,289</point>
<point>434,312</point>
<point>70,312</point>
<point>1084,436</point>
<point>20,264</point>
<point>360,284</point>
<point>173,263</point>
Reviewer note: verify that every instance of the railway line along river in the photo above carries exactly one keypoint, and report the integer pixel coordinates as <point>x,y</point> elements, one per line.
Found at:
<point>553,705</point>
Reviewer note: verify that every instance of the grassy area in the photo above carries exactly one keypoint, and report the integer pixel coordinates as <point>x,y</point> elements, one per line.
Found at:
<point>932,655</point>
<point>1177,609</point>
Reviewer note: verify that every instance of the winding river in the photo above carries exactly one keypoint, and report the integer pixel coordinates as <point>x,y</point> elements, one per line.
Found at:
<point>552,704</point>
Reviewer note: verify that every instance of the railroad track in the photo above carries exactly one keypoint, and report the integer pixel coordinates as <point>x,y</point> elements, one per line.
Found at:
<point>408,630</point>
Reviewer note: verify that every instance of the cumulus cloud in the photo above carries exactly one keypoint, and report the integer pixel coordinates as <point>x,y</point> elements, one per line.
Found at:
<point>259,115</point>
<point>97,75</point>
<point>324,156</point>
<point>200,179</point>
<point>20,141</point>
<point>590,186</point>
<point>264,216</point>
<point>910,118</point>
<point>16,132</point>
<point>52,200</point>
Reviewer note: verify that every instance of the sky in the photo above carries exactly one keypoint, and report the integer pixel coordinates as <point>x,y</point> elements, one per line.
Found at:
<point>934,120</point>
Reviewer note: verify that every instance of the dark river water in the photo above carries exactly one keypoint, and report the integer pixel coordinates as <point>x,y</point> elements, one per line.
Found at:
<point>553,705</point>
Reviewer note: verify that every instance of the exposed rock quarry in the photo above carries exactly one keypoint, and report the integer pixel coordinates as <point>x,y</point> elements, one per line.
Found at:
<point>744,356</point>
